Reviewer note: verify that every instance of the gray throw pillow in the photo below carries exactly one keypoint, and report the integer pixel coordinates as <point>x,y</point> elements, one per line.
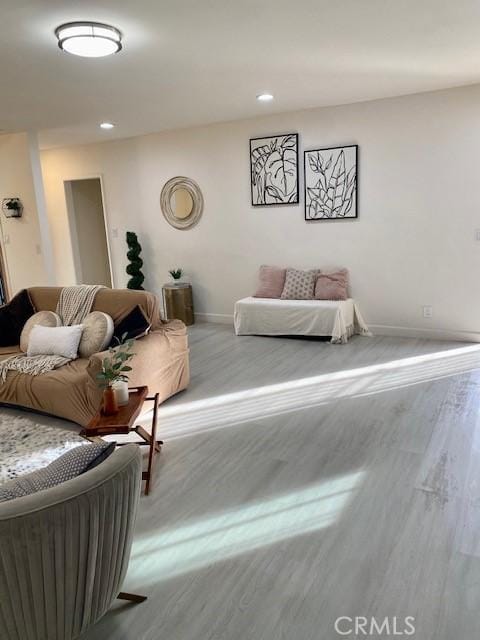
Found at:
<point>299,285</point>
<point>69,465</point>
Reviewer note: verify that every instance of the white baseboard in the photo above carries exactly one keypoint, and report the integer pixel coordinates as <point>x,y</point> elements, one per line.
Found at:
<point>218,318</point>
<point>376,329</point>
<point>430,334</point>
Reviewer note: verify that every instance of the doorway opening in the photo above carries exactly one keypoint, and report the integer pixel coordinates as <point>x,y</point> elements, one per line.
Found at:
<point>88,231</point>
<point>3,281</point>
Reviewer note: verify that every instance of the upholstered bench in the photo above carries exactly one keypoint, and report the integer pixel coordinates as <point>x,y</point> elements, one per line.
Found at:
<point>275,317</point>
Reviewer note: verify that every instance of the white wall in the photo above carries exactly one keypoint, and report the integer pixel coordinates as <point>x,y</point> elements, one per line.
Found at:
<point>412,245</point>
<point>20,237</point>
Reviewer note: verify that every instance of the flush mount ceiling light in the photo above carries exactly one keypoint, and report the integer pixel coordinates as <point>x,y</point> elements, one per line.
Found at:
<point>89,39</point>
<point>265,97</point>
<point>107,125</point>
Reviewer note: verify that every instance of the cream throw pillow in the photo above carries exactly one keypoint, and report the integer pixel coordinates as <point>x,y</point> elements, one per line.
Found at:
<point>97,333</point>
<point>299,285</point>
<point>55,341</point>
<point>43,318</point>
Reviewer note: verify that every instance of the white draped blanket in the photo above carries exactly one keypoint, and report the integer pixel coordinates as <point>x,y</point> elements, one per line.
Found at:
<point>273,317</point>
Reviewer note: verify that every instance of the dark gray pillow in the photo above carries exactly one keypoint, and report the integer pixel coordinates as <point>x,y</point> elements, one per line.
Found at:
<point>13,317</point>
<point>69,465</point>
<point>134,325</point>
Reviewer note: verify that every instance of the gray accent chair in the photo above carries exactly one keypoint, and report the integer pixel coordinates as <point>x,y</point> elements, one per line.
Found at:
<point>64,551</point>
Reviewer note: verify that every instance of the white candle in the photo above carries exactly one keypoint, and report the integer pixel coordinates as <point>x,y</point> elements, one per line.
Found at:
<point>121,391</point>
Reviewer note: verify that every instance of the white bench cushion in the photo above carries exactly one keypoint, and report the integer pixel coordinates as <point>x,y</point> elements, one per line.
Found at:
<point>273,317</point>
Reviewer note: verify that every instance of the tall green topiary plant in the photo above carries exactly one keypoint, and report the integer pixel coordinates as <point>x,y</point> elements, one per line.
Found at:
<point>134,269</point>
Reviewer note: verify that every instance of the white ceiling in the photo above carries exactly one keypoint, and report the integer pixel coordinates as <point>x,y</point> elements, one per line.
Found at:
<point>189,62</point>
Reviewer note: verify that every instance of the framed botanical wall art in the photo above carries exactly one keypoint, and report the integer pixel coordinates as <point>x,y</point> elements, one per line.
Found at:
<point>274,170</point>
<point>331,183</point>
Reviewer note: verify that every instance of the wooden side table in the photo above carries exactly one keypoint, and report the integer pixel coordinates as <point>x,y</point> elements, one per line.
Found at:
<point>178,302</point>
<point>122,423</point>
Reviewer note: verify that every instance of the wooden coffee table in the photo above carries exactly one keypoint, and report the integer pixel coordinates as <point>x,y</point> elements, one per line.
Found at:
<point>123,423</point>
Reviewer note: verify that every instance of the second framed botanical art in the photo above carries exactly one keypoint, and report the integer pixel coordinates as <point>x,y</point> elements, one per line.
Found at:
<point>331,183</point>
<point>274,170</point>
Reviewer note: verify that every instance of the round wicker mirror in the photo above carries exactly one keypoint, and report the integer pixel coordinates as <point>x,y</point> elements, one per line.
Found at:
<point>182,202</point>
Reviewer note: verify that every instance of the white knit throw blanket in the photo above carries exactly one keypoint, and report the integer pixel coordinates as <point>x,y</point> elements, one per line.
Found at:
<point>74,304</point>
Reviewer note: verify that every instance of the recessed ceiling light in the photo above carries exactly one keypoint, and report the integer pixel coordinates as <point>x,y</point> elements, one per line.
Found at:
<point>265,97</point>
<point>107,125</point>
<point>89,39</point>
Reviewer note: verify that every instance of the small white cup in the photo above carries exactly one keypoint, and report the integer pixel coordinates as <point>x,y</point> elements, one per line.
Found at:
<point>121,391</point>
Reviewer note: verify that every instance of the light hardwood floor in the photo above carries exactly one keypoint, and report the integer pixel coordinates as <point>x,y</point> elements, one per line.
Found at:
<point>302,481</point>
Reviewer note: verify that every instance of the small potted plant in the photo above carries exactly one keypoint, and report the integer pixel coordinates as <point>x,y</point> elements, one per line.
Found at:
<point>12,207</point>
<point>114,370</point>
<point>176,275</point>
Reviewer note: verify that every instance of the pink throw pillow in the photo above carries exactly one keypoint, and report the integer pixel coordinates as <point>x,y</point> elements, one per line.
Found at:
<point>332,286</point>
<point>271,281</point>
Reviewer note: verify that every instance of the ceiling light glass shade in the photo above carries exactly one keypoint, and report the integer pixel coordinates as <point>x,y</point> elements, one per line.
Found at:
<point>107,125</point>
<point>89,39</point>
<point>265,97</point>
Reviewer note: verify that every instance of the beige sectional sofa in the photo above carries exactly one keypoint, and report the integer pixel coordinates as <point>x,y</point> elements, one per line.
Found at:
<point>71,392</point>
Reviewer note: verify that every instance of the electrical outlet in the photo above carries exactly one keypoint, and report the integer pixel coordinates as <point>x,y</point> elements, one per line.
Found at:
<point>115,232</point>
<point>427,311</point>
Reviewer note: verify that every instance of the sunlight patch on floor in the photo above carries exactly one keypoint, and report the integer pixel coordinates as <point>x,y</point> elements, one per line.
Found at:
<point>166,553</point>
<point>198,416</point>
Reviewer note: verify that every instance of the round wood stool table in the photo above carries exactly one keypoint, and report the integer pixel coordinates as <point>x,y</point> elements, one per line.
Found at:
<point>178,302</point>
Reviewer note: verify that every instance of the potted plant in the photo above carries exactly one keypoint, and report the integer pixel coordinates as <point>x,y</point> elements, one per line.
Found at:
<point>12,207</point>
<point>176,274</point>
<point>114,370</point>
<point>134,269</point>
